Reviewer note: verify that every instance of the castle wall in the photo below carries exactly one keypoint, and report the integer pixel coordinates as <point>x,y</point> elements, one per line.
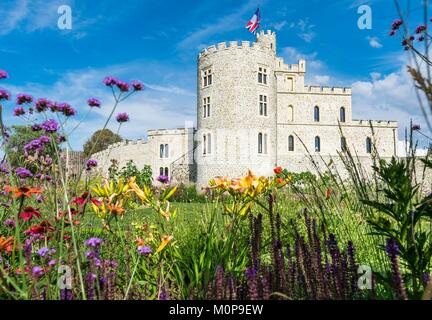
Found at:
<point>143,153</point>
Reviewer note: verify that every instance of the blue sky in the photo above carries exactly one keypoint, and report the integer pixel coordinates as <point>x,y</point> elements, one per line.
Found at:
<point>158,42</point>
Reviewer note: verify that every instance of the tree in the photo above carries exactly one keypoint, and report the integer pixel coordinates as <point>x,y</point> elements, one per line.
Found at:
<point>99,141</point>
<point>20,136</point>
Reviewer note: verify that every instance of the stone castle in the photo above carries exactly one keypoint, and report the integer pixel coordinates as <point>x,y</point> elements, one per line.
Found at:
<point>255,112</point>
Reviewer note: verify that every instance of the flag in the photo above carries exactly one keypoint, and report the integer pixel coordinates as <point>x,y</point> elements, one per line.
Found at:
<point>254,22</point>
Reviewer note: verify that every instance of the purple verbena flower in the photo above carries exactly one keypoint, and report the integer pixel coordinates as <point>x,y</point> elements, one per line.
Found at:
<point>163,179</point>
<point>421,29</point>
<point>42,252</point>
<point>9,223</point>
<point>137,85</point>
<point>4,95</point>
<point>93,102</point>
<point>37,271</point>
<point>23,173</point>
<point>144,250</point>
<point>50,126</point>
<point>91,164</point>
<point>19,111</point>
<point>110,81</point>
<point>123,86</point>
<point>36,127</point>
<point>396,24</point>
<point>43,104</point>
<point>94,242</point>
<point>23,98</point>
<point>3,74</point>
<point>122,117</point>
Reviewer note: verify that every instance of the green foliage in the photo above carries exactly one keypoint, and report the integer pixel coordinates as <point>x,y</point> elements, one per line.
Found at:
<point>400,213</point>
<point>20,136</point>
<point>99,141</point>
<point>143,177</point>
<point>189,193</point>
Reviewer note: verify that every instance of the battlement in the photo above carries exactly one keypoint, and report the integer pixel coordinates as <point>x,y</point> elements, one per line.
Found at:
<point>328,90</point>
<point>160,132</point>
<point>376,123</point>
<point>234,45</point>
<point>300,67</point>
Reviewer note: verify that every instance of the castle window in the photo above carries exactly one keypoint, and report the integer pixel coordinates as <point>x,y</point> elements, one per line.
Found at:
<point>164,171</point>
<point>290,143</point>
<point>206,108</point>
<point>290,114</point>
<point>317,144</point>
<point>207,77</point>
<point>262,105</point>
<point>343,144</point>
<point>209,144</point>
<point>342,114</point>
<point>368,145</point>
<point>316,114</point>
<point>262,143</point>
<point>204,144</point>
<point>262,75</point>
<point>164,151</point>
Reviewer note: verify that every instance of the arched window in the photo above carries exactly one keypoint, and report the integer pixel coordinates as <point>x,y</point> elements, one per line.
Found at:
<point>209,144</point>
<point>316,114</point>
<point>204,144</point>
<point>166,151</point>
<point>343,144</point>
<point>342,114</point>
<point>166,171</point>
<point>161,151</point>
<point>260,143</point>
<point>290,143</point>
<point>317,144</point>
<point>290,114</point>
<point>368,145</point>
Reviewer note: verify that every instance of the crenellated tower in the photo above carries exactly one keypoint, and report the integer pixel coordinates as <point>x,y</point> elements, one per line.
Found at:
<point>236,108</point>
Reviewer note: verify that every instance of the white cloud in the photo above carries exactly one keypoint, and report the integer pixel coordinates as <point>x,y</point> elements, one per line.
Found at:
<point>278,26</point>
<point>321,80</point>
<point>161,105</point>
<point>305,30</point>
<point>388,97</point>
<point>374,42</point>
<point>229,22</point>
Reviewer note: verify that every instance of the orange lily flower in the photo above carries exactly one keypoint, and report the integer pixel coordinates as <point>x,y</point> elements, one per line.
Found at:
<point>6,244</point>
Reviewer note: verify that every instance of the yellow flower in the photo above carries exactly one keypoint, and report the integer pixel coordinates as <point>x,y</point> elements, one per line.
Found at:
<point>164,243</point>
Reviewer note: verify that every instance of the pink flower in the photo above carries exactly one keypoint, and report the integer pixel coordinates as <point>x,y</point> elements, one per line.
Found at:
<point>421,29</point>
<point>396,24</point>
<point>23,98</point>
<point>123,86</point>
<point>122,117</point>
<point>4,95</point>
<point>137,85</point>
<point>93,102</point>
<point>110,81</point>
<point>19,111</point>
<point>3,74</point>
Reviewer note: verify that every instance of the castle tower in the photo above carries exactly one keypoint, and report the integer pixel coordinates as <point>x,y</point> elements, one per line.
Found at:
<point>236,109</point>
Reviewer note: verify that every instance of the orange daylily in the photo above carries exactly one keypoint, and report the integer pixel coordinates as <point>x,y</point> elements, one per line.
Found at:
<point>116,210</point>
<point>23,191</point>
<point>6,244</point>
<point>164,243</point>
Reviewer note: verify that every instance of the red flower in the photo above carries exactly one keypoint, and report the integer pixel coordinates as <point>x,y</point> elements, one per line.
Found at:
<point>278,170</point>
<point>85,198</point>
<point>280,181</point>
<point>40,229</point>
<point>29,213</point>
<point>328,193</point>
